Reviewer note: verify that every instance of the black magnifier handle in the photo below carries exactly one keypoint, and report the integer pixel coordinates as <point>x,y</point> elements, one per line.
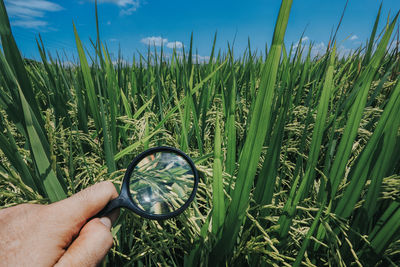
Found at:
<point>120,202</point>
<point>112,205</point>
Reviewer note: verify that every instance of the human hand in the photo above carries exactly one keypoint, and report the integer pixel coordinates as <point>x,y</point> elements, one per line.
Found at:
<point>60,233</point>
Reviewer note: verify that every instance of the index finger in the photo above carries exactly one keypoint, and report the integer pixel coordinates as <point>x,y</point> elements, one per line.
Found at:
<point>86,203</point>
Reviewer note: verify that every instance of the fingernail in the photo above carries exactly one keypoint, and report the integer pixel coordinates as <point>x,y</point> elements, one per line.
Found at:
<point>106,221</point>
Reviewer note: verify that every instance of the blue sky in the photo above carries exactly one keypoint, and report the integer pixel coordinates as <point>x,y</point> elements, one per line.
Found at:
<point>132,24</point>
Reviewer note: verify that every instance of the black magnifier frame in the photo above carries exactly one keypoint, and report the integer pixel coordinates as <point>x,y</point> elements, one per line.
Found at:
<point>125,200</point>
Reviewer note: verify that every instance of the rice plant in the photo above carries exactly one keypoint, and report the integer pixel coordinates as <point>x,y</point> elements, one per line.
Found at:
<point>299,156</point>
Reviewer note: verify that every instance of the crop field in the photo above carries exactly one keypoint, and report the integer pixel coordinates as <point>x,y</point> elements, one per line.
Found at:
<point>299,156</point>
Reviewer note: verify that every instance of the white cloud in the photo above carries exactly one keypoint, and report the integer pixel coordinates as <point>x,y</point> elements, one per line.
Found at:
<point>36,4</point>
<point>68,63</point>
<point>121,3</point>
<point>129,11</point>
<point>344,51</point>
<point>23,12</point>
<point>318,49</point>
<point>305,39</point>
<point>354,37</point>
<point>30,13</point>
<point>120,61</point>
<point>127,6</point>
<point>30,23</point>
<point>393,45</point>
<point>200,59</point>
<point>159,41</point>
<point>195,58</point>
<point>175,44</point>
<point>154,40</point>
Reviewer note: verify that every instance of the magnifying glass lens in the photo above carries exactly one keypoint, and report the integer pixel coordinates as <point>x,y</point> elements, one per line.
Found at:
<point>161,183</point>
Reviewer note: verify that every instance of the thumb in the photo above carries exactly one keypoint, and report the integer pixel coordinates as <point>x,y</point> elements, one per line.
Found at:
<point>85,204</point>
<point>91,245</point>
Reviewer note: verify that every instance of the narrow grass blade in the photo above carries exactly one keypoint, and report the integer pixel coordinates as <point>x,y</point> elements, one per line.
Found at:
<point>371,40</point>
<point>16,63</point>
<point>250,156</point>
<point>315,147</point>
<point>350,131</point>
<point>230,124</point>
<point>91,94</point>
<point>51,184</point>
<point>383,234</point>
<point>376,154</point>
<point>10,149</point>
<point>218,190</point>
<point>108,151</point>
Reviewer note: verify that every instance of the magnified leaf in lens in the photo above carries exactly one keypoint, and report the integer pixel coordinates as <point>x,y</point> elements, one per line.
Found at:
<point>160,183</point>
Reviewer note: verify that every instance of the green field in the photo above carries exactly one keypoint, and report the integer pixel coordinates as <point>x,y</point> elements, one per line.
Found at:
<point>299,156</point>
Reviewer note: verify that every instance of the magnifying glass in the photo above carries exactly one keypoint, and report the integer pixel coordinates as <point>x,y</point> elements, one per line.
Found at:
<point>159,184</point>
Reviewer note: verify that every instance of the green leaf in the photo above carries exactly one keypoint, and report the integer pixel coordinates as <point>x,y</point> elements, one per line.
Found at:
<point>51,184</point>
<point>251,152</point>
<point>91,94</point>
<point>218,214</point>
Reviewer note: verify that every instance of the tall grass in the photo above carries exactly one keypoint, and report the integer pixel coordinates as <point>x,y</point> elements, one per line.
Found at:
<point>299,156</point>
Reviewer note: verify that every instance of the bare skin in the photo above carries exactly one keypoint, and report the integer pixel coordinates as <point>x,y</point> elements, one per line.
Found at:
<point>59,234</point>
